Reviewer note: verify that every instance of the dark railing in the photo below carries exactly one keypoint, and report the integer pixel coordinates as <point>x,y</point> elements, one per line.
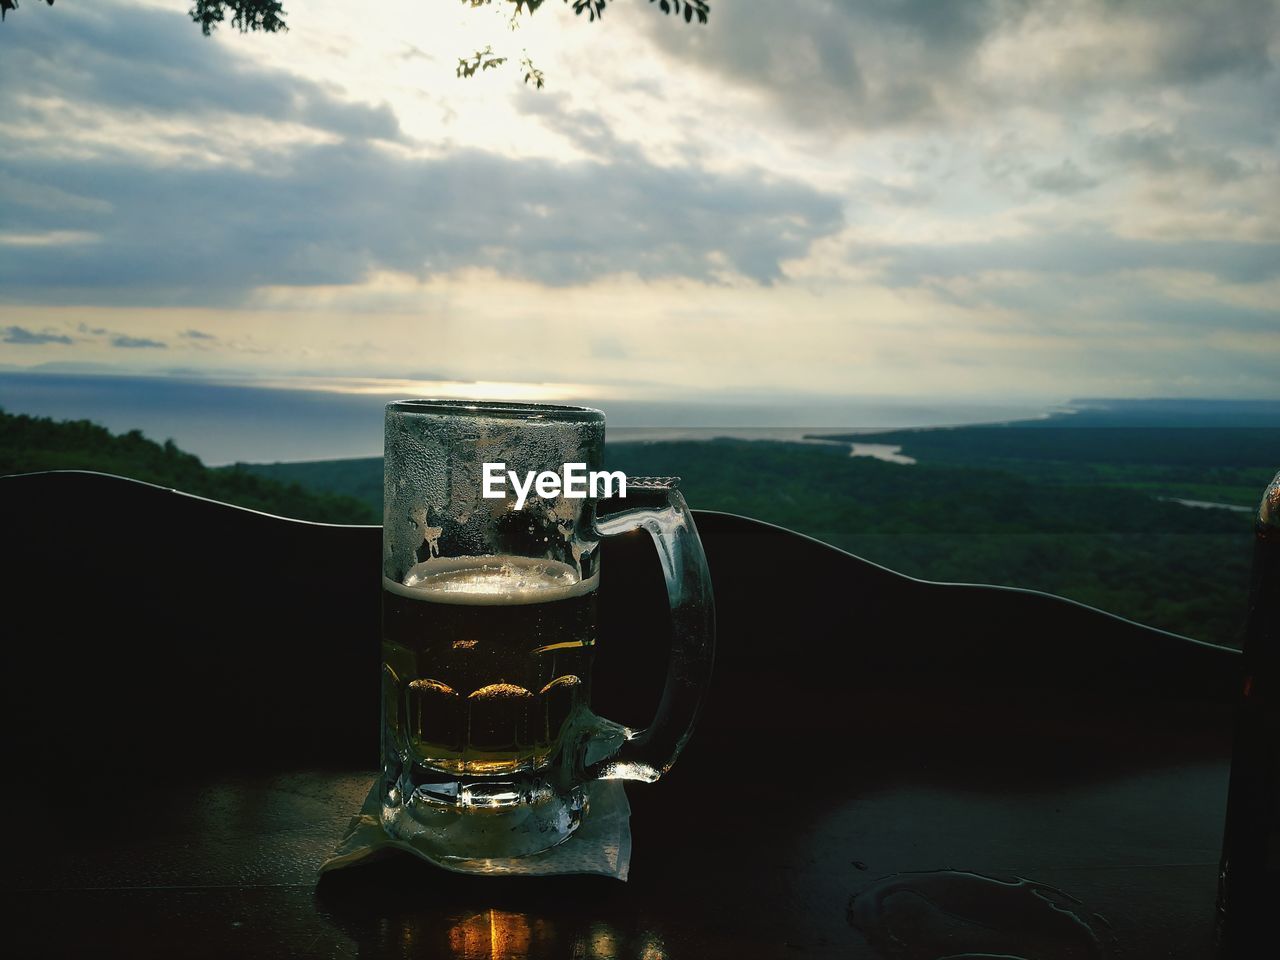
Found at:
<point>231,632</point>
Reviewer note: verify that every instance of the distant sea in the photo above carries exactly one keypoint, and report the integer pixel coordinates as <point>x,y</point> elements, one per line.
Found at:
<point>229,422</point>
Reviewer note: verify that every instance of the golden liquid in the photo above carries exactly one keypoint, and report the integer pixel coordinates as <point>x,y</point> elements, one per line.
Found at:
<point>485,662</point>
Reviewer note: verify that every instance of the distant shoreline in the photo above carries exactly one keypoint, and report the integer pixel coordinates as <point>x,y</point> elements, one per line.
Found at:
<point>225,423</point>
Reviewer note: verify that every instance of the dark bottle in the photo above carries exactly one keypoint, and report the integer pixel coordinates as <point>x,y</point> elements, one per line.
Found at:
<point>1248,915</point>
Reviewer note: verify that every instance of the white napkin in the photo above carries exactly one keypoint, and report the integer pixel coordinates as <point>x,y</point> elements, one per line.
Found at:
<point>601,845</point>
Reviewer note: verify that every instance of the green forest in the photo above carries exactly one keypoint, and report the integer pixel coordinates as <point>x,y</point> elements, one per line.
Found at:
<point>1077,512</point>
<point>1113,547</point>
<point>29,444</point>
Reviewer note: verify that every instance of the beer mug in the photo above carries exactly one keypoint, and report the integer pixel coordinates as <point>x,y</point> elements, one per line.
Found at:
<point>489,625</point>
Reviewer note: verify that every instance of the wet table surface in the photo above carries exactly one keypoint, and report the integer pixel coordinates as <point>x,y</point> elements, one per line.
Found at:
<point>720,867</point>
<point>883,768</point>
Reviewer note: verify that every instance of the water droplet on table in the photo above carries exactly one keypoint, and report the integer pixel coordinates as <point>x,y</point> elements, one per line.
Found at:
<point>948,914</point>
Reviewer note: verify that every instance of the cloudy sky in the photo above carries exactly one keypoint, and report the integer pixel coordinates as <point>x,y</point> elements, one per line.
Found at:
<point>993,198</point>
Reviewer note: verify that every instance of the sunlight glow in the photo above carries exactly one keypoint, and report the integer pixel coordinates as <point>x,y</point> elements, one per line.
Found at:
<point>447,389</point>
<point>47,238</point>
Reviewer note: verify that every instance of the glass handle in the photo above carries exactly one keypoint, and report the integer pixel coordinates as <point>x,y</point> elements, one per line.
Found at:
<point>655,504</point>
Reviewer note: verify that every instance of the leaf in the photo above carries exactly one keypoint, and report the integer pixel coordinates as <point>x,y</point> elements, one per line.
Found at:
<point>7,5</point>
<point>246,15</point>
<point>482,60</point>
<point>486,59</point>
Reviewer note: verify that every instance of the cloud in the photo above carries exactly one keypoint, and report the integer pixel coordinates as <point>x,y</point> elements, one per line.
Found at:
<point>116,339</point>
<point>30,337</point>
<point>334,213</point>
<point>1153,311</point>
<point>153,61</point>
<point>1006,184</point>
<point>1151,150</point>
<point>1084,309</point>
<point>608,347</point>
<point>1194,41</point>
<point>133,343</point>
<point>587,131</point>
<point>1065,178</point>
<point>879,64</point>
<point>874,64</point>
<point>1076,253</point>
<point>413,52</point>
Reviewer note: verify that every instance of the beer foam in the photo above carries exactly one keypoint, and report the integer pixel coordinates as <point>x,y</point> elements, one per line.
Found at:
<point>491,580</point>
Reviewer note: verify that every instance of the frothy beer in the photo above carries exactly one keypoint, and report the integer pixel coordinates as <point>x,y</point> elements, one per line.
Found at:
<point>485,662</point>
